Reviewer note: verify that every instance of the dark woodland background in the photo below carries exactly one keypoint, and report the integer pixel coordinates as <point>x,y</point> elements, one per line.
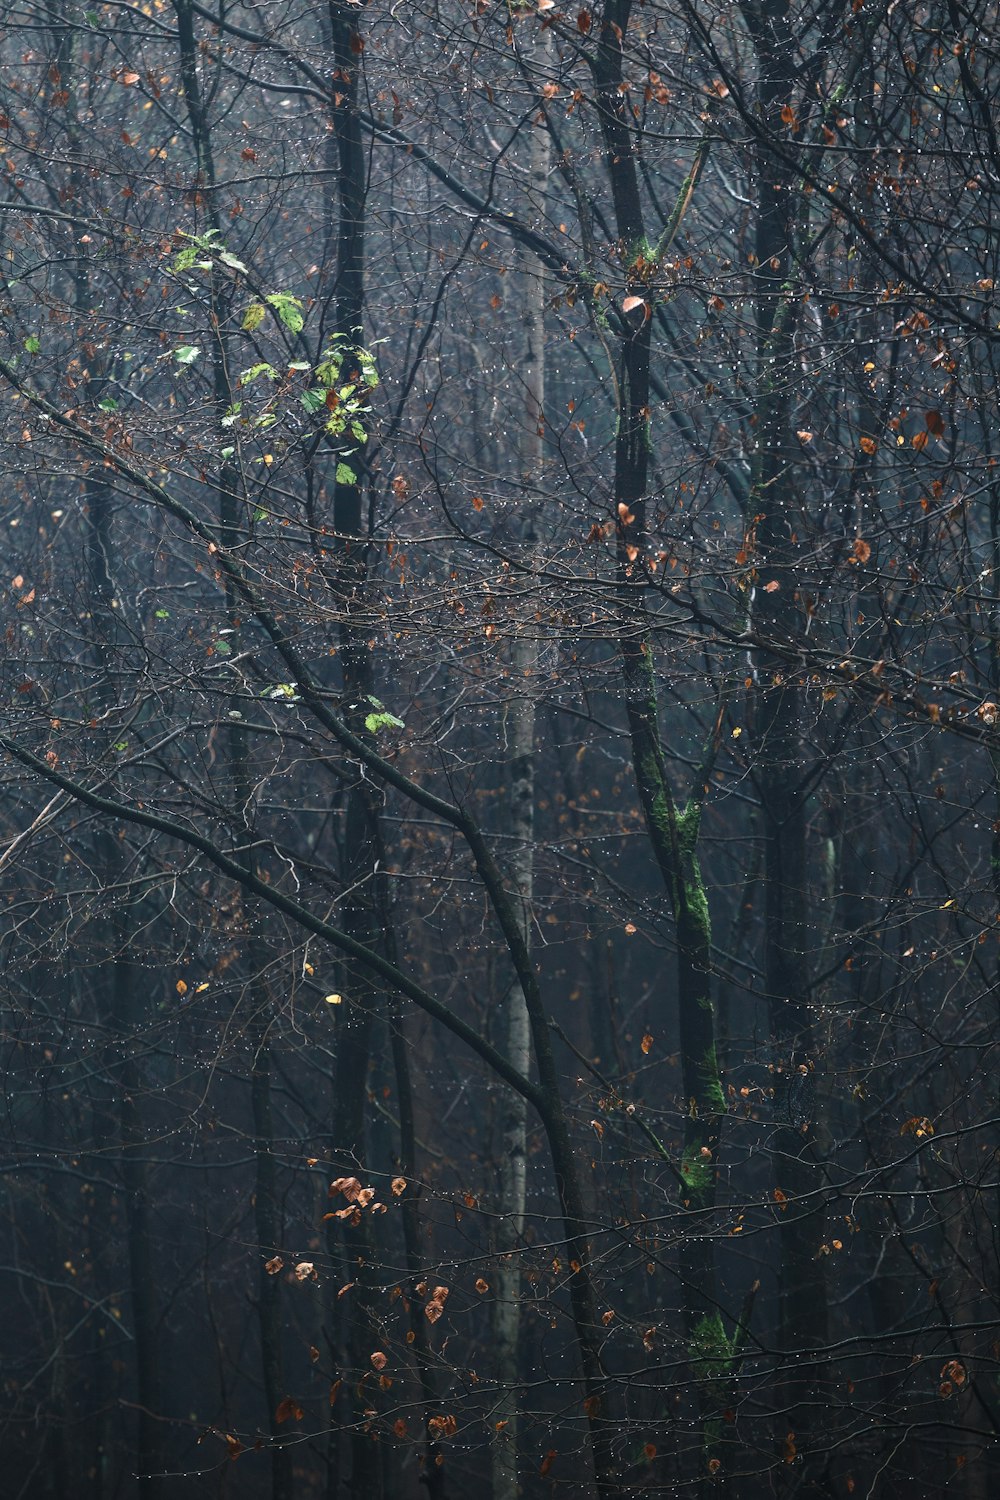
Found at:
<point>500,831</point>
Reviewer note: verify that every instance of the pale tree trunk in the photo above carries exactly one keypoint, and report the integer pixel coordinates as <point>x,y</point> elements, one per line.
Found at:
<point>521,828</point>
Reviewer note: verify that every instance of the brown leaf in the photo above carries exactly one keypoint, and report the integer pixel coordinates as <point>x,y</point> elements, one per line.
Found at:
<point>546,1463</point>
<point>288,1408</point>
<point>435,1306</point>
<point>631,303</point>
<point>647,1044</point>
<point>378,1360</point>
<point>349,1186</point>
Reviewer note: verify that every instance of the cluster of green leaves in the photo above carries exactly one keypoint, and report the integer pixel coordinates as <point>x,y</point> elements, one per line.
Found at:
<point>336,386</point>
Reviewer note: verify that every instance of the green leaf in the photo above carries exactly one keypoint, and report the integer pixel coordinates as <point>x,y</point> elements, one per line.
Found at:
<point>187,354</point>
<point>253,317</point>
<point>232,415</point>
<point>163,614</point>
<point>288,310</point>
<point>92,18</point>
<point>260,515</point>
<point>222,648</point>
<point>185,259</point>
<point>232,261</point>
<point>313,400</point>
<point>267,420</point>
<point>375,722</point>
<point>32,343</point>
<point>345,474</point>
<point>262,369</point>
<point>108,404</point>
<point>227,452</point>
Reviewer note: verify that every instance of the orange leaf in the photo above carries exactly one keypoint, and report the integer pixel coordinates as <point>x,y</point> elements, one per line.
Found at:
<point>444,1426</point>
<point>647,1043</point>
<point>631,303</point>
<point>772,587</point>
<point>378,1360</point>
<point>868,445</point>
<point>547,1462</point>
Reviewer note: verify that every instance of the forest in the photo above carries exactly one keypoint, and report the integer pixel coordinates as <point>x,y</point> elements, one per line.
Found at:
<point>500,729</point>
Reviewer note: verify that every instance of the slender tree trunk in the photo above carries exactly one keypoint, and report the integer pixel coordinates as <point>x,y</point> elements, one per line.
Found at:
<point>673,832</point>
<point>506,1307</point>
<point>267,1210</point>
<point>118,991</point>
<point>781,533</point>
